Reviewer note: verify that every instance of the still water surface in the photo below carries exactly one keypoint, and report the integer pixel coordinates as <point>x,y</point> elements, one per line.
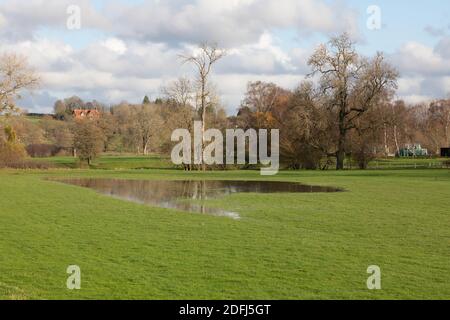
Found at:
<point>189,195</point>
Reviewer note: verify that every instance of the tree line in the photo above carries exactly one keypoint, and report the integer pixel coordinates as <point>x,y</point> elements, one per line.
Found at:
<point>344,110</point>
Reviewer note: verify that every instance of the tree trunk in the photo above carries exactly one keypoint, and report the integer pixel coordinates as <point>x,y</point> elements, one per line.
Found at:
<point>340,154</point>
<point>397,147</point>
<point>386,147</point>
<point>447,138</point>
<point>340,158</point>
<point>203,121</point>
<point>144,146</point>
<point>396,140</point>
<point>146,149</point>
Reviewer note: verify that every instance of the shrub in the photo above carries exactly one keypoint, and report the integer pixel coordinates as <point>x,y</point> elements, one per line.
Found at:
<point>27,164</point>
<point>13,153</point>
<point>363,157</point>
<point>10,150</point>
<point>42,150</point>
<point>10,153</point>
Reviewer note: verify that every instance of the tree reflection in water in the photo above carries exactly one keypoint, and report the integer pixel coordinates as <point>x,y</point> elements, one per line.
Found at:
<point>188,195</point>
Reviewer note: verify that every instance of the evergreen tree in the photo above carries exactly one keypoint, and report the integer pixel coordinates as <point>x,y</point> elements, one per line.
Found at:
<point>146,100</point>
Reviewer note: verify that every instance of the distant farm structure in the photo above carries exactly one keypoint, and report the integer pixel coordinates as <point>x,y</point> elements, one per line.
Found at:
<point>413,150</point>
<point>80,114</point>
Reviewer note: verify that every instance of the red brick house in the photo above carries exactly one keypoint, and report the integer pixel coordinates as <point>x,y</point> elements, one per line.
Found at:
<point>85,114</point>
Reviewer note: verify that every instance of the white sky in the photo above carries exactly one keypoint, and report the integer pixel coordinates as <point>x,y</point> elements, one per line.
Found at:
<point>127,49</point>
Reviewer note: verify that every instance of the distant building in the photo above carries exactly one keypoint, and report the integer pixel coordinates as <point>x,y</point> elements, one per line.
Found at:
<point>80,114</point>
<point>445,152</point>
<point>413,150</point>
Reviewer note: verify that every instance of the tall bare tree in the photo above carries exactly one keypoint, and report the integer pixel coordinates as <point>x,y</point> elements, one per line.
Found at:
<point>15,76</point>
<point>203,61</point>
<point>180,91</point>
<point>350,84</point>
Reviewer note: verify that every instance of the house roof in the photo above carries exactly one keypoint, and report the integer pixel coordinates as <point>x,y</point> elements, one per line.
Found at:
<point>81,113</point>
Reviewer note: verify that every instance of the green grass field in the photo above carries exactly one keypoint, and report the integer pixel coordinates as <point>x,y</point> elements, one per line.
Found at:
<point>286,246</point>
<point>120,162</point>
<point>112,162</point>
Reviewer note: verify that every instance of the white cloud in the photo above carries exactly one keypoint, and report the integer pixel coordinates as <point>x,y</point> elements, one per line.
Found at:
<point>443,48</point>
<point>229,22</point>
<point>424,70</point>
<point>114,70</point>
<point>22,19</point>
<point>262,57</point>
<point>407,85</point>
<point>232,87</point>
<point>115,45</point>
<point>140,42</point>
<point>43,54</point>
<point>416,58</point>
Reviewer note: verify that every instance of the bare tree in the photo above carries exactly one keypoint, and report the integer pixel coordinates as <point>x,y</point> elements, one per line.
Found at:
<point>307,132</point>
<point>351,85</point>
<point>261,96</point>
<point>15,76</point>
<point>203,60</point>
<point>147,125</point>
<point>180,91</point>
<point>88,140</point>
<point>440,115</point>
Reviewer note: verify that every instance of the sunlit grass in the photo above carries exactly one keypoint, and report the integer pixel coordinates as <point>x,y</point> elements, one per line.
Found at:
<point>287,246</point>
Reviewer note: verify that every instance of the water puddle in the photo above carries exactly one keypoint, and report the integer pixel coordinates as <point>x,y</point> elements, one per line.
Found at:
<point>189,195</point>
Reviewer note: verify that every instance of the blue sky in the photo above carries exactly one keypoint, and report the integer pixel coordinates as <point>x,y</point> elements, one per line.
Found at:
<point>403,21</point>
<point>126,49</point>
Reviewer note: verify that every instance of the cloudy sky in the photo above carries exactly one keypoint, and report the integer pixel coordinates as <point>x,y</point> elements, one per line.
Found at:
<point>127,49</point>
